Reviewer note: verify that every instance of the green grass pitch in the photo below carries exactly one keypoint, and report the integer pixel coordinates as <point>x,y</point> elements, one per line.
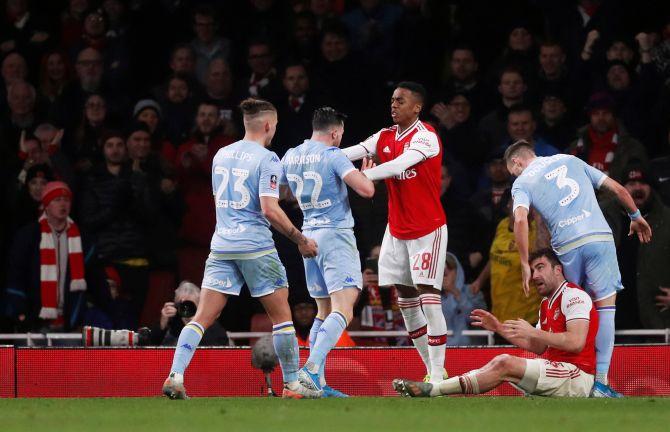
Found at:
<point>354,414</point>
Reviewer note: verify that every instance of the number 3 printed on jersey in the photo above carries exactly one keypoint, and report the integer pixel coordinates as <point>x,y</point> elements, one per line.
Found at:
<point>313,202</point>
<point>562,180</point>
<point>240,176</point>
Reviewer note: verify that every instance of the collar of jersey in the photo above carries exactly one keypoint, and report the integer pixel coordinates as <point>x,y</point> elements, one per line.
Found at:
<point>406,131</point>
<point>558,292</point>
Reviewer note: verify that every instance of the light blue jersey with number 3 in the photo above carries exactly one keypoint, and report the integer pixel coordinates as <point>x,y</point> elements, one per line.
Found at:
<point>561,189</point>
<point>241,173</point>
<point>315,173</point>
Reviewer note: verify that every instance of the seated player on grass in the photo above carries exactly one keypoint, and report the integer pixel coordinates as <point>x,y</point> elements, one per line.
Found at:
<point>565,336</point>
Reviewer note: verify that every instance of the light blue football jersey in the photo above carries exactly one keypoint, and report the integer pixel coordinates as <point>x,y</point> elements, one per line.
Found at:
<point>241,173</point>
<point>315,172</point>
<point>561,189</point>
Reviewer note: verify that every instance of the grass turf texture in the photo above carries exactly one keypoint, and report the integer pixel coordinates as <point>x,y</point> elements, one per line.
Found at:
<point>353,414</point>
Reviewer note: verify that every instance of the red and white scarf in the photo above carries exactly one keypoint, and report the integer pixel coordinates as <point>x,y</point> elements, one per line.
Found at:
<point>49,266</point>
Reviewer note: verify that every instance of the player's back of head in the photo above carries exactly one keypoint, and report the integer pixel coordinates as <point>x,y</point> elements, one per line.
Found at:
<point>520,148</point>
<point>252,107</point>
<point>325,118</point>
<point>418,90</point>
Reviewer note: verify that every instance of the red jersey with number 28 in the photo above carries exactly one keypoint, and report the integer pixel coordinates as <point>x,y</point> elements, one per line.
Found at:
<point>414,195</point>
<point>568,303</point>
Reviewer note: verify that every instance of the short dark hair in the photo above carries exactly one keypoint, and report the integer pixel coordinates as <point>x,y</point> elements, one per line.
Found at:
<point>326,117</point>
<point>517,148</point>
<point>551,43</point>
<point>416,89</point>
<point>252,106</point>
<point>521,108</point>
<point>547,253</point>
<point>512,69</point>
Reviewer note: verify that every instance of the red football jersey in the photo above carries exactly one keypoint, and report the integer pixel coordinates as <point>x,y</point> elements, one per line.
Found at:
<point>570,302</point>
<point>414,195</point>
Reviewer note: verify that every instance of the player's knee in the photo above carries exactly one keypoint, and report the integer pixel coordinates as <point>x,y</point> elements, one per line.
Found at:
<point>502,363</point>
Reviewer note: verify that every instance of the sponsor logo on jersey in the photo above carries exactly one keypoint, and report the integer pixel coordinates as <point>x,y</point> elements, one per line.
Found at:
<point>406,175</point>
<point>386,150</point>
<point>227,231</point>
<point>574,219</point>
<point>349,280</point>
<point>273,182</point>
<point>317,221</point>
<point>574,302</point>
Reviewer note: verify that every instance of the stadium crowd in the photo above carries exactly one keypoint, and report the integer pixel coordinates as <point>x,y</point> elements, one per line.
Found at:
<point>112,110</point>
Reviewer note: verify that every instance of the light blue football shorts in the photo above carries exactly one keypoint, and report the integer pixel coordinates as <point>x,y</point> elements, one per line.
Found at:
<point>338,264</point>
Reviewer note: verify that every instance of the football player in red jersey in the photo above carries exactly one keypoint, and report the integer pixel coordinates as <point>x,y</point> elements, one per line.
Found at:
<point>413,251</point>
<point>565,337</point>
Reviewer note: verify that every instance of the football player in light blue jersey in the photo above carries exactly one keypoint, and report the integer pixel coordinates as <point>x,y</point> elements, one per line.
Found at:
<point>318,174</point>
<point>561,189</point>
<point>245,177</point>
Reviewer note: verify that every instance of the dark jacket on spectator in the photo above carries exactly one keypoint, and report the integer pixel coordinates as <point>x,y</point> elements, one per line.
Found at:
<point>653,258</point>
<point>23,283</point>
<point>215,335</point>
<point>115,211</point>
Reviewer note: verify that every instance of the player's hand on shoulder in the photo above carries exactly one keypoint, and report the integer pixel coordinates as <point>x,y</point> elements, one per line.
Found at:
<point>641,228</point>
<point>308,249</point>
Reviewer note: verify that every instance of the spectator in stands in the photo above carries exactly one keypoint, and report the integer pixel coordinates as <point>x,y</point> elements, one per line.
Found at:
<point>72,22</point>
<point>660,173</point>
<point>295,111</point>
<point>182,64</point>
<point>219,90</point>
<point>602,143</point>
<point>520,51</point>
<point>207,45</point>
<point>161,192</point>
<point>90,69</point>
<point>521,126</point>
<point>116,213</point>
<point>46,280</point>
<point>194,170</point>
<point>458,300</point>
<point>553,75</point>
<point>55,74</point>
<point>504,270</point>
<point>465,241</point>
<point>22,117</point>
<point>263,82</point>
<point>464,79</point>
<point>489,200</point>
<point>50,139</point>
<point>176,314</point>
<point>25,198</point>
<point>84,146</point>
<point>178,108</point>
<point>645,303</point>
<point>461,141</point>
<point>24,31</point>
<point>493,126</point>
<point>555,123</point>
<point>304,45</point>
<point>324,12</point>
<point>148,111</point>
<point>372,26</point>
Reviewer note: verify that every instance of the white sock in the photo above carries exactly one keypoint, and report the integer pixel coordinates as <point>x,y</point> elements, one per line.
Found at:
<point>416,325</point>
<point>437,334</point>
<point>447,387</point>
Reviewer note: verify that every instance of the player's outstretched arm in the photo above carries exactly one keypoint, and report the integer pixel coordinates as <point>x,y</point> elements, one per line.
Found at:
<point>396,166</point>
<point>359,151</point>
<point>362,185</point>
<point>279,221</point>
<point>521,238</point>
<point>571,340</point>
<point>486,320</point>
<point>638,224</point>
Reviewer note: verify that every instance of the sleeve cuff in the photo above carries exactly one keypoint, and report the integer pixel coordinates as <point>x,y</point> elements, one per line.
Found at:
<point>601,181</point>
<point>268,194</point>
<point>344,174</point>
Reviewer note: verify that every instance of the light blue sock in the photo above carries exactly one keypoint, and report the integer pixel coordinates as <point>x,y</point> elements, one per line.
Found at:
<point>604,341</point>
<point>286,347</point>
<point>312,340</point>
<point>328,335</point>
<point>314,331</point>
<point>189,338</point>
